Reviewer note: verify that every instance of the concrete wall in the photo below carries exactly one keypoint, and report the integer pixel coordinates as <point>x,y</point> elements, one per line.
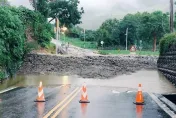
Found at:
<point>88,66</point>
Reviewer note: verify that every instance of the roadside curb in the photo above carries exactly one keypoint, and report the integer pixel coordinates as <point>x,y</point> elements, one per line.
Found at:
<point>8,89</point>
<point>163,104</point>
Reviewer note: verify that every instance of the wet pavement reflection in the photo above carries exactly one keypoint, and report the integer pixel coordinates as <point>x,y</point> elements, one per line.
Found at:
<point>139,110</point>
<point>40,109</point>
<point>84,109</point>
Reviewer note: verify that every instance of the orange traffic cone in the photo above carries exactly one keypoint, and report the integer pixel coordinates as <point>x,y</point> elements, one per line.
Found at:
<point>40,97</point>
<point>84,96</point>
<point>139,96</point>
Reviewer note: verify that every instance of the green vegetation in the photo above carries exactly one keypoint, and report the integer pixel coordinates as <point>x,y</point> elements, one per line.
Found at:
<point>23,30</point>
<point>2,76</point>
<point>124,52</point>
<point>147,28</point>
<point>116,52</point>
<point>109,33</point>
<point>12,39</point>
<point>36,27</point>
<point>4,3</point>
<point>103,52</point>
<point>51,48</point>
<point>89,36</point>
<point>65,10</point>
<point>77,42</point>
<point>166,42</point>
<point>148,53</point>
<point>92,45</point>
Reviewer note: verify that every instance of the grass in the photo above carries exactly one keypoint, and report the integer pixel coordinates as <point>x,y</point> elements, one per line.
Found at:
<point>51,48</point>
<point>124,52</point>
<point>115,52</point>
<point>149,53</point>
<point>77,42</point>
<point>92,45</point>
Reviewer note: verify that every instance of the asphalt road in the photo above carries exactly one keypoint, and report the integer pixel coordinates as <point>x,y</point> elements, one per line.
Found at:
<point>62,102</point>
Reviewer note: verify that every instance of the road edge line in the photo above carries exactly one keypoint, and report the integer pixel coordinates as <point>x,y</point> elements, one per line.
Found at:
<point>162,106</point>
<point>8,89</point>
<point>59,104</point>
<point>168,102</point>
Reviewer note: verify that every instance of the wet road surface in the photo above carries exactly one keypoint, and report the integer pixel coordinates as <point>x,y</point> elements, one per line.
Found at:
<point>111,98</point>
<point>105,102</point>
<point>19,103</point>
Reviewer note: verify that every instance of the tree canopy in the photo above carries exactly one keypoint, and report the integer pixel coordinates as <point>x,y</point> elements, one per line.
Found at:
<point>65,10</point>
<point>153,26</point>
<point>145,26</point>
<point>109,32</point>
<point>4,3</point>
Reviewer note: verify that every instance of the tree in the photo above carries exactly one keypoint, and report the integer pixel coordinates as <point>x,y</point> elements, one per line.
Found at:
<point>89,35</point>
<point>41,6</point>
<point>132,22</point>
<point>66,11</point>
<point>75,32</point>
<point>141,26</point>
<point>33,3</point>
<point>154,25</point>
<point>11,41</point>
<point>109,33</point>
<point>4,3</point>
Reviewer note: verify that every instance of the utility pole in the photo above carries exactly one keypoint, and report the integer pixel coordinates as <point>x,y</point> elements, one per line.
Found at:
<point>57,31</point>
<point>171,16</point>
<point>126,38</point>
<point>84,38</point>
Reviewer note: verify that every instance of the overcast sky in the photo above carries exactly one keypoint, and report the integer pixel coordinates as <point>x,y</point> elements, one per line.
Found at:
<point>97,11</point>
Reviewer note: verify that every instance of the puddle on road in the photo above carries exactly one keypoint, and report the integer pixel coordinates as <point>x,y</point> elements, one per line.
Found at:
<point>151,80</point>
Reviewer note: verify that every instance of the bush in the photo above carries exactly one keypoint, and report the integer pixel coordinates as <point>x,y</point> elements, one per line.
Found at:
<point>16,25</point>
<point>2,75</point>
<point>166,42</point>
<point>29,46</point>
<point>12,40</point>
<point>36,26</point>
<point>43,34</point>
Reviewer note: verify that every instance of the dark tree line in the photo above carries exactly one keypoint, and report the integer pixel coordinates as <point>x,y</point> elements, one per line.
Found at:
<point>145,27</point>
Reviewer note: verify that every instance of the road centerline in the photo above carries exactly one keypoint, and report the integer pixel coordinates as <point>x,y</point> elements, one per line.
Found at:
<point>59,110</point>
<point>60,103</point>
